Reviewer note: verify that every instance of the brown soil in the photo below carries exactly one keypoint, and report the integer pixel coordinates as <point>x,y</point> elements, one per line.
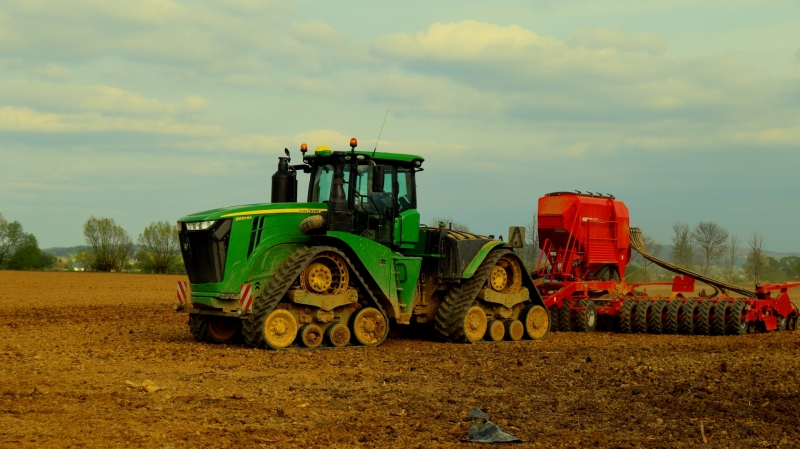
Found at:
<point>71,342</point>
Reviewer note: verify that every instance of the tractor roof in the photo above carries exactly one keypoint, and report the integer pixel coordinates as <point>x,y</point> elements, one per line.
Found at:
<point>388,157</point>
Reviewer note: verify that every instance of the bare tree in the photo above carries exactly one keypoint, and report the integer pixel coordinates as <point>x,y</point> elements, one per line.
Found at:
<point>158,247</point>
<point>682,251</point>
<point>654,249</point>
<point>529,253</point>
<point>710,239</point>
<point>756,263</point>
<point>110,244</point>
<point>449,223</point>
<point>731,255</point>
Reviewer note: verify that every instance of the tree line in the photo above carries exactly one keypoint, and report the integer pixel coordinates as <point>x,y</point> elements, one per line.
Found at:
<point>109,248</point>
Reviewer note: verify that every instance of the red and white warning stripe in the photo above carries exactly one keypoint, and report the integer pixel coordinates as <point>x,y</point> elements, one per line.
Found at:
<point>181,294</point>
<point>245,297</point>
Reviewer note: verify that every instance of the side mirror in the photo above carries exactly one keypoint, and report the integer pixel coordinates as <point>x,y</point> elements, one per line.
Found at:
<point>377,178</point>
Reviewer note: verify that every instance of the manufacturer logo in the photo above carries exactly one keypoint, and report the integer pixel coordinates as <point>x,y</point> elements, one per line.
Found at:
<point>249,217</point>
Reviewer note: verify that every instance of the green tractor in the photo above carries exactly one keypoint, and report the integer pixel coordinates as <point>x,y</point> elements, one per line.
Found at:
<point>341,268</point>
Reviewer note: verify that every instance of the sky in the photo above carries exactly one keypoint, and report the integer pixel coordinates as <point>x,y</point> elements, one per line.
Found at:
<point>147,110</point>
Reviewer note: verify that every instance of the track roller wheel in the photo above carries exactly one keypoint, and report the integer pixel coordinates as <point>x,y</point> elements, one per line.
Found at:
<point>553,312</point>
<point>495,331</point>
<point>198,326</point>
<point>702,325</point>
<point>280,329</point>
<point>737,325</point>
<point>721,309</point>
<point>671,324</point>
<point>626,312</point>
<point>535,321</point>
<point>515,330</point>
<point>311,335</point>
<point>337,335</point>
<point>640,317</point>
<point>586,319</point>
<point>223,330</point>
<point>687,317</point>
<point>506,275</point>
<point>564,316</point>
<point>655,323</point>
<point>369,326</point>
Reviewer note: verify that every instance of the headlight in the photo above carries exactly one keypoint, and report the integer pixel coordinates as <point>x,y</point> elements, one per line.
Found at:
<point>199,225</point>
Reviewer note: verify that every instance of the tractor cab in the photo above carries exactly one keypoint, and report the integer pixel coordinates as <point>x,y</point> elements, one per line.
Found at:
<point>372,195</point>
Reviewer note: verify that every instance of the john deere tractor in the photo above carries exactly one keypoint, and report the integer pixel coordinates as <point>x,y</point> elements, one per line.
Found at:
<point>341,268</point>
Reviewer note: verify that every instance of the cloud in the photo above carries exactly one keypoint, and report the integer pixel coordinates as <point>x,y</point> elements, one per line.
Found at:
<point>31,121</point>
<point>600,38</point>
<point>98,97</point>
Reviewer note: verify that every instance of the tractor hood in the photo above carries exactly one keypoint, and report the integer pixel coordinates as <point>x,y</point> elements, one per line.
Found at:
<point>255,209</point>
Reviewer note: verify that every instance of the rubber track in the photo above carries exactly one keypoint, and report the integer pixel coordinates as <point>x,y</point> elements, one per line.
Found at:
<point>449,321</point>
<point>640,320</point>
<point>718,324</point>
<point>702,326</point>
<point>564,316</point>
<point>671,324</point>
<point>687,320</point>
<point>656,324</point>
<point>279,284</point>
<point>625,319</point>
<point>198,326</point>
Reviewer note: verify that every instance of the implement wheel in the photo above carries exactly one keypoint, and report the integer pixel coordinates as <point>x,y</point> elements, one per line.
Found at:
<point>721,309</point>
<point>495,330</point>
<point>369,326</point>
<point>655,323</point>
<point>280,329</point>
<point>223,330</point>
<point>553,310</point>
<point>535,321</point>
<point>781,323</point>
<point>702,325</point>
<point>564,316</point>
<point>737,325</point>
<point>325,274</point>
<point>626,316</point>
<point>586,319</point>
<point>671,324</point>
<point>640,318</point>
<point>687,317</point>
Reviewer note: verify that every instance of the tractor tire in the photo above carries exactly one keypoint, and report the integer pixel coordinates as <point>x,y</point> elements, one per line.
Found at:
<point>586,319</point>
<point>626,316</point>
<point>564,318</point>
<point>449,321</point>
<point>553,310</point>
<point>640,319</point>
<point>655,325</point>
<point>721,309</point>
<point>671,324</point>
<point>737,325</point>
<point>687,317</point>
<point>198,326</point>
<point>702,325</point>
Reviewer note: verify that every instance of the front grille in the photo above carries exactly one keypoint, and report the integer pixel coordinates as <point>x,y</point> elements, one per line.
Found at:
<point>204,252</point>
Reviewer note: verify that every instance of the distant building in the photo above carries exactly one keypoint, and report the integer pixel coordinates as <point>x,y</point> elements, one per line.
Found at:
<point>79,266</point>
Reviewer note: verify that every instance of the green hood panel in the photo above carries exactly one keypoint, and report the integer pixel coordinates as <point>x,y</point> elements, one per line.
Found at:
<point>249,210</point>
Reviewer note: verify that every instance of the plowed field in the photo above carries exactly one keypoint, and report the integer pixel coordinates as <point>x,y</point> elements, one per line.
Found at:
<point>71,345</point>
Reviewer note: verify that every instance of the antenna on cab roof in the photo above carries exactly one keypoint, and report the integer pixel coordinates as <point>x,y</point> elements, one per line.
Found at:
<point>379,134</point>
